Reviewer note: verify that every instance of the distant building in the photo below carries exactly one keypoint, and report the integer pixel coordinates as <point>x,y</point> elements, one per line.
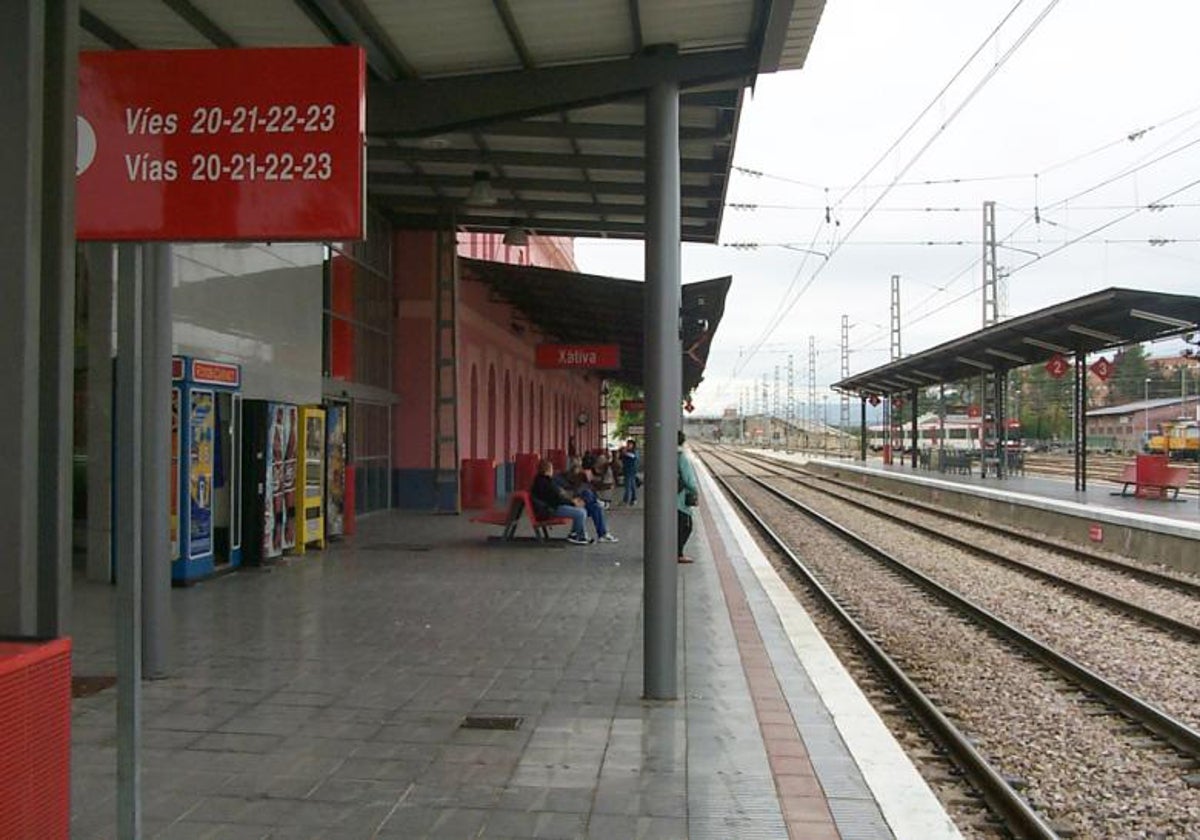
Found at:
<point>1122,428</point>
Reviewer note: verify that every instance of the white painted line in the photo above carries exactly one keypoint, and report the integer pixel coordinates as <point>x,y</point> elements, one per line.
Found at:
<point>906,801</point>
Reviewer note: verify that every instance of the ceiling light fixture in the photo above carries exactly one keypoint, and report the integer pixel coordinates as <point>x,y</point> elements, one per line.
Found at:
<point>516,236</point>
<point>482,194</point>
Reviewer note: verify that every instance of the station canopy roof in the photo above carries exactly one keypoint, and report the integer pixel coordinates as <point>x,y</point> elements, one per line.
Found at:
<point>543,97</point>
<point>574,308</point>
<point>1099,321</point>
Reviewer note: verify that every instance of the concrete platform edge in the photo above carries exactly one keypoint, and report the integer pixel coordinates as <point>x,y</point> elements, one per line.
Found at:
<point>908,804</point>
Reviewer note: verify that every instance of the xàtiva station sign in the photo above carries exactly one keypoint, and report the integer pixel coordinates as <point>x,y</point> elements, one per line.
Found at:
<point>582,356</point>
<point>245,144</point>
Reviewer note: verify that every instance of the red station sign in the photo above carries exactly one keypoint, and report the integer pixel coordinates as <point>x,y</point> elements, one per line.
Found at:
<point>580,356</point>
<point>1057,366</point>
<point>216,145</point>
<point>1103,369</point>
<point>633,405</point>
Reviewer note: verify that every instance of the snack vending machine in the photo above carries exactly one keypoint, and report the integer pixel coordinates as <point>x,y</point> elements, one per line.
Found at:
<point>205,508</point>
<point>310,479</point>
<point>335,468</point>
<point>269,479</point>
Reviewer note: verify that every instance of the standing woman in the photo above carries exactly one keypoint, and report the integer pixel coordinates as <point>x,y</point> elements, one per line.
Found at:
<point>629,469</point>
<point>686,499</point>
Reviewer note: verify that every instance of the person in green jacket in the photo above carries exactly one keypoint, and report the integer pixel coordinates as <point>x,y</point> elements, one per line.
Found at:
<point>687,488</point>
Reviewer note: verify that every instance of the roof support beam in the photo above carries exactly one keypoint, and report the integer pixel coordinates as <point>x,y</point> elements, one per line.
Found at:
<point>202,23</point>
<point>774,34</point>
<point>396,180</point>
<point>415,108</point>
<point>385,159</point>
<point>341,25</point>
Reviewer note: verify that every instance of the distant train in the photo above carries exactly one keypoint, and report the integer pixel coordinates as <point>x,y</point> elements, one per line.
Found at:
<point>1180,439</point>
<point>959,432</point>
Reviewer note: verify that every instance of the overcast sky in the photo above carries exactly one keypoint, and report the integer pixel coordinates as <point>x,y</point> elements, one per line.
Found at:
<point>1060,115</point>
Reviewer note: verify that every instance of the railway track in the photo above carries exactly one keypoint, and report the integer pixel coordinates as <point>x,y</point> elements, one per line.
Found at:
<point>1074,696</point>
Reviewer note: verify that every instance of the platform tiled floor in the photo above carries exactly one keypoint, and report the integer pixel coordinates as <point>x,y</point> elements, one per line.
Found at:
<point>324,699</point>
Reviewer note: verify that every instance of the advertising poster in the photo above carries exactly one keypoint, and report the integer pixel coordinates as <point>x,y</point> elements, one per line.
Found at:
<point>201,434</point>
<point>173,481</point>
<point>335,453</point>
<point>279,526</point>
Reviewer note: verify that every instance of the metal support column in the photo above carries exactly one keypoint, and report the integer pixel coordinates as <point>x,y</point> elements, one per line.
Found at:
<point>21,45</point>
<point>445,444</point>
<point>1001,423</point>
<point>862,428</point>
<point>664,388</point>
<point>1081,402</point>
<point>56,410</point>
<point>128,560</point>
<point>156,458</point>
<point>916,433</point>
<point>100,272</point>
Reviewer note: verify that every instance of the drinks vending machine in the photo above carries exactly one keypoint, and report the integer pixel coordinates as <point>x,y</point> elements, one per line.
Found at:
<point>310,479</point>
<point>269,471</point>
<point>205,508</point>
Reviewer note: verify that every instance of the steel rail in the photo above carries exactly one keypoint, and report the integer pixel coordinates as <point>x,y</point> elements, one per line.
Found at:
<point>1150,575</point>
<point>1175,732</point>
<point>1018,815</point>
<point>1189,631</point>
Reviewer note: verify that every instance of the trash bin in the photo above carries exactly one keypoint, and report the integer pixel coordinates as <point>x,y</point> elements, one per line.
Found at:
<point>35,738</point>
<point>478,483</point>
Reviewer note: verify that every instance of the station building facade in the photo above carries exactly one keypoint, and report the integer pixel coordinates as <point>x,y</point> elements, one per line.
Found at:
<point>424,381</point>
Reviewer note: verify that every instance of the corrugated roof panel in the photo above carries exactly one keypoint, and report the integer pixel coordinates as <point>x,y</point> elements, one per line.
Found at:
<point>613,113</point>
<point>697,24</point>
<point>632,148</point>
<point>264,23</point>
<point>448,37</point>
<point>806,14</point>
<point>509,143</point>
<point>539,195</point>
<point>561,173</point>
<point>556,32</point>
<point>150,24</point>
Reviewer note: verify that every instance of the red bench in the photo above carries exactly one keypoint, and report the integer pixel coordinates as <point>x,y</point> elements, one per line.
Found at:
<point>509,518</point>
<point>1152,477</point>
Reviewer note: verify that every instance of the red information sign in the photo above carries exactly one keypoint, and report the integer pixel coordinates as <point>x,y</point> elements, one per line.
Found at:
<point>1103,369</point>
<point>240,144</point>
<point>582,356</point>
<point>215,373</point>
<point>1057,366</point>
<point>633,405</point>
<point>1096,532</point>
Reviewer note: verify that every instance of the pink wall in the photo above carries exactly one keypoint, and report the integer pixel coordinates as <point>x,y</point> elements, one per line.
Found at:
<point>490,349</point>
<point>413,365</point>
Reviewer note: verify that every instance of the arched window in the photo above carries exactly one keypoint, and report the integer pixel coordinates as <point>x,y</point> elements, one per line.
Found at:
<point>474,426</point>
<point>520,415</point>
<point>506,442</point>
<point>491,413</point>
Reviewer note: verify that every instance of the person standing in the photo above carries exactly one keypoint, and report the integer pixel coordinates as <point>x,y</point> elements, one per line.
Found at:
<point>686,498</point>
<point>629,469</point>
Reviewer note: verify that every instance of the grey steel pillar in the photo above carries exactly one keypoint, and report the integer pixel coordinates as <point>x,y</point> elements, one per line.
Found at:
<point>664,389</point>
<point>128,559</point>
<point>862,425</point>
<point>22,38</point>
<point>916,432</point>
<point>56,409</point>
<point>100,269</point>
<point>156,458</point>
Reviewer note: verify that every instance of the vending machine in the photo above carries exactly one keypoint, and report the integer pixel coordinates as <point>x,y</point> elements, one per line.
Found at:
<point>335,468</point>
<point>205,506</point>
<point>268,479</point>
<point>310,479</point>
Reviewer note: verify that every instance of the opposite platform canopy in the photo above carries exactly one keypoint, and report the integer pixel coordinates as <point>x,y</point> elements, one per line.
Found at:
<point>544,98</point>
<point>1088,324</point>
<point>574,308</point>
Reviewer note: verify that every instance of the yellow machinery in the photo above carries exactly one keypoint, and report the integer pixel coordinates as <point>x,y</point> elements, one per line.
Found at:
<point>1179,439</point>
<point>310,479</point>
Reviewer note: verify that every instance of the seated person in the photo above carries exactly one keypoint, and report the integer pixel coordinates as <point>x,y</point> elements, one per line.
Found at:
<point>577,482</point>
<point>602,479</point>
<point>549,499</point>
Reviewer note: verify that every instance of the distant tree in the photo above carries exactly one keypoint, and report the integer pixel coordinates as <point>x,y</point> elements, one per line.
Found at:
<point>1130,372</point>
<point>1045,404</point>
<point>618,391</point>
